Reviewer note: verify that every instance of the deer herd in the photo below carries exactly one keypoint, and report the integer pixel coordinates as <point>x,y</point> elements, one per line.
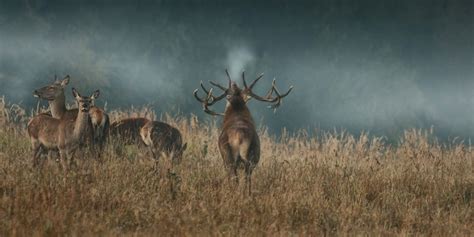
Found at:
<point>87,129</point>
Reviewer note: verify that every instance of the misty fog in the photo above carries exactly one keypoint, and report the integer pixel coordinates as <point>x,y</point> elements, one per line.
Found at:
<point>379,66</point>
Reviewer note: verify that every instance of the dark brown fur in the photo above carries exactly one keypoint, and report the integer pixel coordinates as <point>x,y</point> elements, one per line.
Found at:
<point>239,142</point>
<point>128,130</point>
<point>163,138</point>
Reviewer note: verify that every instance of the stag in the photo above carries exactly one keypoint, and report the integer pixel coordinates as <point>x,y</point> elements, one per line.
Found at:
<point>162,138</point>
<point>239,143</point>
<point>54,94</point>
<point>63,134</point>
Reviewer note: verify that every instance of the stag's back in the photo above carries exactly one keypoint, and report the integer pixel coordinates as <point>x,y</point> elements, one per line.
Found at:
<point>240,136</point>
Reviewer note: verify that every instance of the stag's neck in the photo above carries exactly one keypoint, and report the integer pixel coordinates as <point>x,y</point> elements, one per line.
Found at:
<point>238,110</point>
<point>58,106</point>
<point>82,121</point>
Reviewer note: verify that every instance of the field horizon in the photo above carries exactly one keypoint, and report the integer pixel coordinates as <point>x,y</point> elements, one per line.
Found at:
<point>329,183</point>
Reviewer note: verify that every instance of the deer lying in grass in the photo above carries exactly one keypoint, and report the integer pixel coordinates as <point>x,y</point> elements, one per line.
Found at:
<point>54,94</point>
<point>238,141</point>
<point>64,134</point>
<point>162,138</point>
<point>127,131</point>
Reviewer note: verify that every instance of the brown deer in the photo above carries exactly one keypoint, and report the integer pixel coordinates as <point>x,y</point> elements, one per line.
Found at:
<point>128,130</point>
<point>162,138</point>
<point>64,134</point>
<point>54,94</point>
<point>238,141</point>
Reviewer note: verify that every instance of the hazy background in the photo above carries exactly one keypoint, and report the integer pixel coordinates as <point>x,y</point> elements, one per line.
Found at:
<point>380,66</point>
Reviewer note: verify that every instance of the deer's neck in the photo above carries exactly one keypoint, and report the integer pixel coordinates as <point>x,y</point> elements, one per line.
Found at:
<point>82,121</point>
<point>58,106</point>
<point>237,110</point>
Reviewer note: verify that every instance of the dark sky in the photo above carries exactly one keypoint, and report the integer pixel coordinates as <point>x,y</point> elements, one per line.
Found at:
<point>381,66</point>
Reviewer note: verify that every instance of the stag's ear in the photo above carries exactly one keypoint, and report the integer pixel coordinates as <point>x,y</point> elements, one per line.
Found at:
<point>75,93</point>
<point>65,81</point>
<point>95,95</point>
<point>247,97</point>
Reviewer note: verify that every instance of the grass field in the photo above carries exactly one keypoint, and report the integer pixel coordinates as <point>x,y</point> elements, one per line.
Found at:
<point>327,184</point>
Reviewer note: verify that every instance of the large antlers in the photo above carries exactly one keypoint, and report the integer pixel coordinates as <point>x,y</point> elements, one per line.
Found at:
<point>219,85</point>
<point>209,99</point>
<point>269,96</point>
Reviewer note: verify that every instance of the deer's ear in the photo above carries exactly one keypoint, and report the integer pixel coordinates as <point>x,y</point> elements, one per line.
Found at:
<point>75,93</point>
<point>247,97</point>
<point>65,81</point>
<point>95,95</point>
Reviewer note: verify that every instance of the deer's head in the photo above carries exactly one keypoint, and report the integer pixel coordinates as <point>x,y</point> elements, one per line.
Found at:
<point>53,90</point>
<point>84,102</point>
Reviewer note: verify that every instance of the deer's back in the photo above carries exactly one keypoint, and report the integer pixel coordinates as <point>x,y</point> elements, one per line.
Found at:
<point>240,136</point>
<point>98,116</point>
<point>128,129</point>
<point>162,135</point>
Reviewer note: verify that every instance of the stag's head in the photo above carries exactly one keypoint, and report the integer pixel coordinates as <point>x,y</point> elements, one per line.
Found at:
<point>53,90</point>
<point>84,102</point>
<point>237,96</point>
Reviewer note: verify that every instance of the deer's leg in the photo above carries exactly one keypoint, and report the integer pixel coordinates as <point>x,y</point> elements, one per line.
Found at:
<point>53,155</point>
<point>96,152</point>
<point>248,176</point>
<point>36,147</point>
<point>70,155</point>
<point>231,163</point>
<point>155,153</point>
<point>63,157</point>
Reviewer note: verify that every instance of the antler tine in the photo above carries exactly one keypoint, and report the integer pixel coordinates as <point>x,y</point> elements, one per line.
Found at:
<point>243,79</point>
<point>204,88</point>
<point>197,97</point>
<point>255,81</point>
<point>213,100</point>
<point>208,100</point>
<point>288,92</point>
<point>278,92</point>
<point>268,97</point>
<point>228,76</point>
<point>218,85</point>
<point>270,91</point>
<point>279,96</point>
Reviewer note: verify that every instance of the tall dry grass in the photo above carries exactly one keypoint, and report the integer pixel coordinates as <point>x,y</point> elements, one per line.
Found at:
<point>328,184</point>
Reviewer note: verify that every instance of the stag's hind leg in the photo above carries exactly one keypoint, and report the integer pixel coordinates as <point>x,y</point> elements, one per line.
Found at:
<point>231,162</point>
<point>248,175</point>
